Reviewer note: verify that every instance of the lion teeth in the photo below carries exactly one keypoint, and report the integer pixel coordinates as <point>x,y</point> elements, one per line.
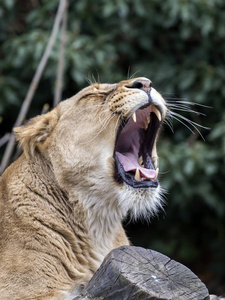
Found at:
<point>140,161</point>
<point>146,122</point>
<point>134,117</point>
<point>157,113</point>
<point>154,160</point>
<point>156,174</point>
<point>137,175</point>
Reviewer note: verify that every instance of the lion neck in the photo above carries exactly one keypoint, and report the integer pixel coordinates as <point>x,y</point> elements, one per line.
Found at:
<point>103,218</point>
<point>95,208</point>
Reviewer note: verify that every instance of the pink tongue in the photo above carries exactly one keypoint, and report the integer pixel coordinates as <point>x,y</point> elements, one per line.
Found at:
<point>130,163</point>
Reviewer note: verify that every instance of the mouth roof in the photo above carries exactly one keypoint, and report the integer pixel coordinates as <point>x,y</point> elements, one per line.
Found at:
<point>134,148</point>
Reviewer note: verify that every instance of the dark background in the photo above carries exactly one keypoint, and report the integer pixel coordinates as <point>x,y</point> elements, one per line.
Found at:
<point>180,46</point>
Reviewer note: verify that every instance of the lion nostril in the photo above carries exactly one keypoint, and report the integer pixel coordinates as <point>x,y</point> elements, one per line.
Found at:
<point>144,84</point>
<point>137,85</point>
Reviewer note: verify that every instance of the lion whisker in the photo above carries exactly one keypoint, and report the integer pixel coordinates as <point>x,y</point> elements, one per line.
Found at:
<point>106,121</point>
<point>104,111</point>
<point>189,121</point>
<point>185,109</point>
<point>183,124</point>
<point>195,125</point>
<point>169,124</point>
<point>187,102</point>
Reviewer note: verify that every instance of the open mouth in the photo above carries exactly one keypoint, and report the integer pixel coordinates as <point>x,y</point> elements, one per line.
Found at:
<point>135,149</point>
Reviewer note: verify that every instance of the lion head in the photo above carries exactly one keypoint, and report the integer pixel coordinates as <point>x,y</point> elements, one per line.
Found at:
<point>100,145</point>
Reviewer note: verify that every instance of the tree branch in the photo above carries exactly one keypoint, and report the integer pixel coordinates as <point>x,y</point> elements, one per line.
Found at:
<point>34,84</point>
<point>60,69</point>
<point>4,139</point>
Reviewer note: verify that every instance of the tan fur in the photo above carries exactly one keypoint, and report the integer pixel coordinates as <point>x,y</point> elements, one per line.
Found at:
<point>60,207</point>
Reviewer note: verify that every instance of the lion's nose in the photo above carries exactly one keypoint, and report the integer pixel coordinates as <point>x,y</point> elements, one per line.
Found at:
<point>143,84</point>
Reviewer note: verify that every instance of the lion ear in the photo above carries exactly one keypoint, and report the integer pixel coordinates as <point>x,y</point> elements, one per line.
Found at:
<point>36,131</point>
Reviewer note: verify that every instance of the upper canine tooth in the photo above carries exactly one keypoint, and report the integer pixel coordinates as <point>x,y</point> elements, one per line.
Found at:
<point>137,175</point>
<point>154,160</point>
<point>134,117</point>
<point>157,113</point>
<point>156,174</point>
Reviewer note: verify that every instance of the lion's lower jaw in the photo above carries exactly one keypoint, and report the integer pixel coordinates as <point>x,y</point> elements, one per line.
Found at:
<point>141,203</point>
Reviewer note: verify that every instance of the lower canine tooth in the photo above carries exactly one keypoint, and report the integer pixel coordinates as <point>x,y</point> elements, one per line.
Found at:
<point>156,174</point>
<point>146,124</point>
<point>137,175</point>
<point>140,161</point>
<point>134,117</point>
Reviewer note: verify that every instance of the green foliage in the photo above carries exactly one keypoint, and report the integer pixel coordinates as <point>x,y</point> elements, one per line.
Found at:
<point>180,45</point>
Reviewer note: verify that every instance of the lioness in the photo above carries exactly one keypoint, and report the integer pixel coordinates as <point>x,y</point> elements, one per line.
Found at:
<point>85,164</point>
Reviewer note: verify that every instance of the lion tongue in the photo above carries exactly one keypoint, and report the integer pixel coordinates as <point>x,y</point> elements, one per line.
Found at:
<point>130,163</point>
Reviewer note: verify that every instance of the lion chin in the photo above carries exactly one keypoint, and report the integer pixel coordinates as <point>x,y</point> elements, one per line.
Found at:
<point>85,165</point>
